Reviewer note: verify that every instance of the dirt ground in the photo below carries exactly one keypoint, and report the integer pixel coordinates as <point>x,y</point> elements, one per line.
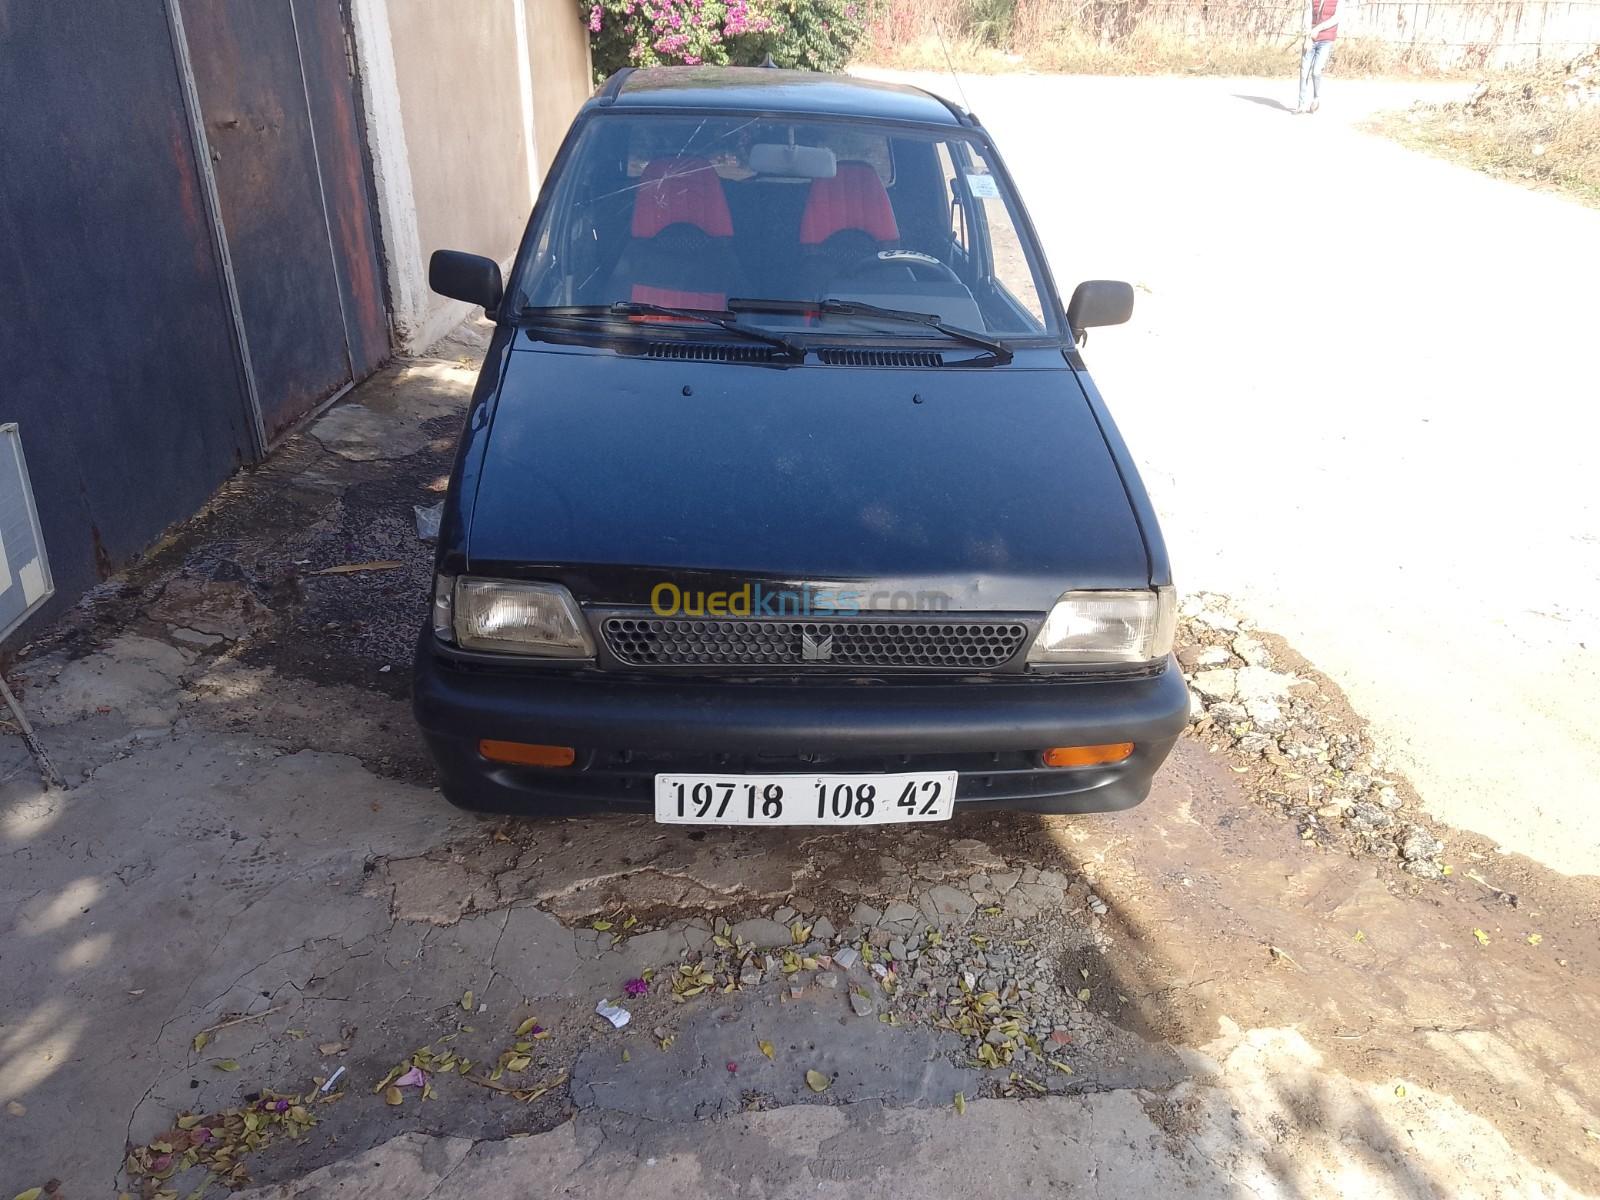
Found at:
<point>250,884</point>
<point>1358,386</point>
<point>1539,128</point>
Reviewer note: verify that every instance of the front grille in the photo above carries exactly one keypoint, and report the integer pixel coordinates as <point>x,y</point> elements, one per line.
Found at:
<point>694,642</point>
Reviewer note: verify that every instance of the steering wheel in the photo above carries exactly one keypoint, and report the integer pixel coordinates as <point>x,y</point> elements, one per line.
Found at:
<point>922,268</point>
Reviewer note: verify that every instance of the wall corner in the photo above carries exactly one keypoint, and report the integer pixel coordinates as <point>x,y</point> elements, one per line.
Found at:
<point>400,243</point>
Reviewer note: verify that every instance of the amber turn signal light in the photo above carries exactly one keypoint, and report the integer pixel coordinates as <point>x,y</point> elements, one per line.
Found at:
<point>528,754</point>
<point>1087,756</point>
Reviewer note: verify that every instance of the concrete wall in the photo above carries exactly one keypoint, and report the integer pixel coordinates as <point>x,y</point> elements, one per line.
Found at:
<point>466,103</point>
<point>558,46</point>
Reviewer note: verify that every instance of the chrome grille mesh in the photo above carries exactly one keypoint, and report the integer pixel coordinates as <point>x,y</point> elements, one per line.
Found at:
<point>690,641</point>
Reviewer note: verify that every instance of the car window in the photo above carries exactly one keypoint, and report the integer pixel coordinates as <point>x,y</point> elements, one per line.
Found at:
<point>650,140</point>
<point>952,189</point>
<point>695,211</point>
<point>1009,262</point>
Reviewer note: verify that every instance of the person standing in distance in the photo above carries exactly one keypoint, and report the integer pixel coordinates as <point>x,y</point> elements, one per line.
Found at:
<point>1322,27</point>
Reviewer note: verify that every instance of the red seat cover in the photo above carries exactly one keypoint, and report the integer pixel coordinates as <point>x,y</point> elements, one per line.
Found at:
<point>643,293</point>
<point>853,199</point>
<point>680,191</point>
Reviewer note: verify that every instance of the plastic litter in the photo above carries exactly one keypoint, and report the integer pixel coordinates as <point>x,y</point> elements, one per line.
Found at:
<point>428,520</point>
<point>615,1013</point>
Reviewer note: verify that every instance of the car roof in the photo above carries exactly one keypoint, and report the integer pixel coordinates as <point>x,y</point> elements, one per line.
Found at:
<point>771,89</point>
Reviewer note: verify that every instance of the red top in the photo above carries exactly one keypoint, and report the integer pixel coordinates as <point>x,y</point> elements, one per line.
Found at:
<point>1321,10</point>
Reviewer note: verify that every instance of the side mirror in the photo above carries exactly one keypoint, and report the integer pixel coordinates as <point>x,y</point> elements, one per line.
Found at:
<point>1099,302</point>
<point>469,277</point>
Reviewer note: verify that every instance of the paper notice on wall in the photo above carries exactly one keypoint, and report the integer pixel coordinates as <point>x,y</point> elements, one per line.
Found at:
<point>5,574</point>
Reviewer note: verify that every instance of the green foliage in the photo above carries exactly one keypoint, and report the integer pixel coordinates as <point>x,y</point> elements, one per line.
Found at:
<point>817,35</point>
<point>813,35</point>
<point>990,22</point>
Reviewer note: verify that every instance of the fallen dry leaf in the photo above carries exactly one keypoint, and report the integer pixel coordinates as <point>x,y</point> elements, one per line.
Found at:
<point>226,1064</point>
<point>961,1104</point>
<point>16,1108</point>
<point>331,1048</point>
<point>527,1026</point>
<point>200,1040</point>
<point>393,1095</point>
<point>1483,938</point>
<point>466,1001</point>
<point>767,1048</point>
<point>817,1081</point>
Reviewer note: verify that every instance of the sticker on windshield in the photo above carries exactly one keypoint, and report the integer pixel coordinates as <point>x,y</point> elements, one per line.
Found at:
<point>983,187</point>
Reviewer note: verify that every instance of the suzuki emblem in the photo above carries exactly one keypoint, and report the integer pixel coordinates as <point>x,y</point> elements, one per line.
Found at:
<point>815,649</point>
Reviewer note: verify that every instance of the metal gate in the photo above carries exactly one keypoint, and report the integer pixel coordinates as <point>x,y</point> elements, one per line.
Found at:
<point>273,88</point>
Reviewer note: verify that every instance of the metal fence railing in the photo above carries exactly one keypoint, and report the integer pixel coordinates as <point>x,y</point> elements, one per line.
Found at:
<point>1488,33</point>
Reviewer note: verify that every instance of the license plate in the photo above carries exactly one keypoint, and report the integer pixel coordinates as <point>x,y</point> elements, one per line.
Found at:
<point>805,799</point>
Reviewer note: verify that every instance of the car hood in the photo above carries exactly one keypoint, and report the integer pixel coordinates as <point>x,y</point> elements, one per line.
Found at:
<point>611,473</point>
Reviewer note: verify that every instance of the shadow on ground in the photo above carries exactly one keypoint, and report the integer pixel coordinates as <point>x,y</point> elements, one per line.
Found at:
<point>251,885</point>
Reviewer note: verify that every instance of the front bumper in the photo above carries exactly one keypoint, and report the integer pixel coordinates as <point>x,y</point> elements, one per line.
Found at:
<point>626,730</point>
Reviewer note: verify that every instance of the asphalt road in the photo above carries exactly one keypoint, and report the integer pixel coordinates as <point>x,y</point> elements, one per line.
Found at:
<point>1361,386</point>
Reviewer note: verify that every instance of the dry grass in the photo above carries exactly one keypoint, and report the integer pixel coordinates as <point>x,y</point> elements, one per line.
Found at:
<point>1540,129</point>
<point>1113,37</point>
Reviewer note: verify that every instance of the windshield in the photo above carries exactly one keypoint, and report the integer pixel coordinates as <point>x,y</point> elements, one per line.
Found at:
<point>693,212</point>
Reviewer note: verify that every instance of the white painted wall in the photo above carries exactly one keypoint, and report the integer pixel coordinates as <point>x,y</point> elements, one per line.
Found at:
<point>454,97</point>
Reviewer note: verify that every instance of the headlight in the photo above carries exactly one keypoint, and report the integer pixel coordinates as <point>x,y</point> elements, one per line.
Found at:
<point>517,618</point>
<point>1107,627</point>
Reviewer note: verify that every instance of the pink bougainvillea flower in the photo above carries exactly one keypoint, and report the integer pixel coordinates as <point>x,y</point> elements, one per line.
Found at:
<point>636,987</point>
<point>733,1068</point>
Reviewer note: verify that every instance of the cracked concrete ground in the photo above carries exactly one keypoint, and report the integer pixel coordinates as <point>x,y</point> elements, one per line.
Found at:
<point>250,884</point>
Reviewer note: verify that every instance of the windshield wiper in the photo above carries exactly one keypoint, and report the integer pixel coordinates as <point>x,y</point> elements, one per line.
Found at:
<point>634,308</point>
<point>1001,352</point>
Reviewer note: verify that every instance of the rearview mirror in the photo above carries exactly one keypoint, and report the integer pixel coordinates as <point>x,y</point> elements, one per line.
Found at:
<point>1100,302</point>
<point>469,277</point>
<point>793,162</point>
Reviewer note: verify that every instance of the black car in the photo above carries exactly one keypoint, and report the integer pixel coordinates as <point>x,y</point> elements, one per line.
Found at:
<point>784,496</point>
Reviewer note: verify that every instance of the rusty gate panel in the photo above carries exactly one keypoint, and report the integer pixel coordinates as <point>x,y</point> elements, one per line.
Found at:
<point>330,93</point>
<point>246,63</point>
<point>122,373</point>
